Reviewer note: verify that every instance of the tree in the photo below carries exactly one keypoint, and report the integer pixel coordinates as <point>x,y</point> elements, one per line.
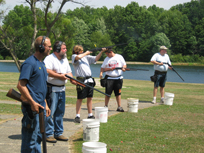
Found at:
<point>9,41</point>
<point>178,29</point>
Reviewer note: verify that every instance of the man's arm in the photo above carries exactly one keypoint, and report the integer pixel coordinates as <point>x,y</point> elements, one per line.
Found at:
<point>157,63</point>
<point>101,73</point>
<point>100,53</point>
<point>48,111</point>
<point>54,74</point>
<point>25,93</point>
<point>78,57</point>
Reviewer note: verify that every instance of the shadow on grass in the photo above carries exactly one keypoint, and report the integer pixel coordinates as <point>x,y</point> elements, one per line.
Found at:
<point>68,119</point>
<point>79,139</point>
<point>16,137</point>
<point>140,101</point>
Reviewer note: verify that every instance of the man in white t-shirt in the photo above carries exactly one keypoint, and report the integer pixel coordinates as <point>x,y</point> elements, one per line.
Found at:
<point>159,60</point>
<point>114,76</point>
<point>81,62</point>
<point>57,67</point>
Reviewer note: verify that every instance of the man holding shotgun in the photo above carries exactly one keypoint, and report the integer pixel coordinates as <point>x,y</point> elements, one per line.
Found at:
<point>57,67</point>
<point>158,59</point>
<point>114,76</point>
<point>81,61</point>
<point>33,87</point>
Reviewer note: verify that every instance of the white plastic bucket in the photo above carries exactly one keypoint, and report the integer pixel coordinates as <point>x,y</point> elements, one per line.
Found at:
<point>101,113</point>
<point>168,98</point>
<point>94,147</point>
<point>91,130</point>
<point>132,105</point>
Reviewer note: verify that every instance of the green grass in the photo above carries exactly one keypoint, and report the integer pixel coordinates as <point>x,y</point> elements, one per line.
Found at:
<point>167,129</point>
<point>10,109</point>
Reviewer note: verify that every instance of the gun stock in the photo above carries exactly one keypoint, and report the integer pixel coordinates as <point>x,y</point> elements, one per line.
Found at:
<point>13,94</point>
<point>87,85</point>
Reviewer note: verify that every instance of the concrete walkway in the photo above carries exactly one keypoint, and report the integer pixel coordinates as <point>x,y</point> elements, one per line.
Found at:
<point>10,137</point>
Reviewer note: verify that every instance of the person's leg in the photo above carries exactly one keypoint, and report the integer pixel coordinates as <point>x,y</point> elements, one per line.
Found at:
<point>59,114</point>
<point>118,99</point>
<point>89,104</point>
<point>162,85</point>
<point>78,106</point>
<point>162,92</point>
<point>30,132</point>
<point>155,91</point>
<point>108,90</point>
<point>49,124</point>
<point>117,90</point>
<point>107,100</point>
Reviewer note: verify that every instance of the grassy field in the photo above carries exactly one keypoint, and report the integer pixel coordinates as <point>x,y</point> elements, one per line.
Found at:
<point>177,128</point>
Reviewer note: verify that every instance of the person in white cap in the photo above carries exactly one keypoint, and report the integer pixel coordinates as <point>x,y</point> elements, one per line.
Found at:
<point>158,59</point>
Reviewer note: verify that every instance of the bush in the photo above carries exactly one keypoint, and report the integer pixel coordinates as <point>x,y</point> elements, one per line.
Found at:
<point>8,58</point>
<point>1,57</point>
<point>187,58</point>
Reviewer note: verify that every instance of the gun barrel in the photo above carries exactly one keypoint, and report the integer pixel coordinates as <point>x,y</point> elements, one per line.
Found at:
<point>87,85</point>
<point>108,47</point>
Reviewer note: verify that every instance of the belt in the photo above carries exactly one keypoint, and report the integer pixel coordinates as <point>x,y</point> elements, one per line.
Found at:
<point>53,85</point>
<point>160,72</point>
<point>81,78</point>
<point>114,76</point>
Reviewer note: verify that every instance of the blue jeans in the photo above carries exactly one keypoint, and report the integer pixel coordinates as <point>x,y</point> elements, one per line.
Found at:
<point>31,136</point>
<point>54,123</point>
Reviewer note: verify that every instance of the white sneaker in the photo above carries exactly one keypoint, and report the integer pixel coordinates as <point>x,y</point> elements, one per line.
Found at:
<point>154,101</point>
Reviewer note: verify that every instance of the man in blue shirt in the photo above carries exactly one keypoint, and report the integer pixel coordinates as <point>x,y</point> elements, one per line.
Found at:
<point>32,85</point>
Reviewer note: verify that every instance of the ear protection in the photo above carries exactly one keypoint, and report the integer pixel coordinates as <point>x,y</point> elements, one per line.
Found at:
<point>58,47</point>
<point>41,46</point>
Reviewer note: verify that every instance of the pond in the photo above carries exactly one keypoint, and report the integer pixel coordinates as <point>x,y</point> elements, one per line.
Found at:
<point>190,74</point>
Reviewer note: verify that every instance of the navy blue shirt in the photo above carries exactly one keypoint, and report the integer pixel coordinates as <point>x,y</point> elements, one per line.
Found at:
<point>35,73</point>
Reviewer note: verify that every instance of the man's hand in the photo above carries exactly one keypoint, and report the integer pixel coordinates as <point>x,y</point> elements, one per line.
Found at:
<point>104,49</point>
<point>48,111</point>
<point>35,107</point>
<point>123,69</point>
<point>73,82</point>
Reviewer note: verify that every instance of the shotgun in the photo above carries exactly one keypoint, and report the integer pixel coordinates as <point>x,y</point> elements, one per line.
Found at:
<point>108,47</point>
<point>174,70</point>
<point>17,96</point>
<point>130,69</point>
<point>87,85</point>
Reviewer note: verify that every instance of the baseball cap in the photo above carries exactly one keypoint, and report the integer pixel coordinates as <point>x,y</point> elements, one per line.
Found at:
<point>163,47</point>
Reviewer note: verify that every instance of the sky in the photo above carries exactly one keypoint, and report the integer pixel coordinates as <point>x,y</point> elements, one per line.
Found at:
<point>166,4</point>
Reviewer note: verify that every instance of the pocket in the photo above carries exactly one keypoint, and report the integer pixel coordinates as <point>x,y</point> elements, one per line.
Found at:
<point>153,78</point>
<point>28,123</point>
<point>103,82</point>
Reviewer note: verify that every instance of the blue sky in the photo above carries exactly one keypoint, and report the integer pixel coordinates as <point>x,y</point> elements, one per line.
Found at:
<point>166,4</point>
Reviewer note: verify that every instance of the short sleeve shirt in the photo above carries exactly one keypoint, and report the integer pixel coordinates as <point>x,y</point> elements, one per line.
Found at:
<point>82,66</point>
<point>35,73</point>
<point>159,58</point>
<point>115,61</point>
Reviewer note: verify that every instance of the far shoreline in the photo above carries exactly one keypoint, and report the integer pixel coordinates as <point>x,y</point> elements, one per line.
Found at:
<point>128,62</point>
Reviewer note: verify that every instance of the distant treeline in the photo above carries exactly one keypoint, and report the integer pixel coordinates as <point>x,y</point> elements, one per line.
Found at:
<point>181,29</point>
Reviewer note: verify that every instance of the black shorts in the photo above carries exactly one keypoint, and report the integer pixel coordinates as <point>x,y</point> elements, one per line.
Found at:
<point>114,85</point>
<point>86,92</point>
